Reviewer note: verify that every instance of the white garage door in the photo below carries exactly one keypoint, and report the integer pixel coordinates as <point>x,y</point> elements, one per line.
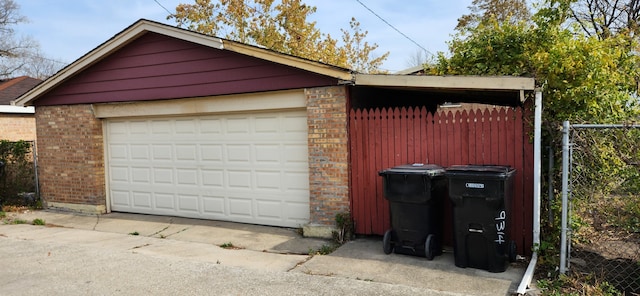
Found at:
<point>250,168</point>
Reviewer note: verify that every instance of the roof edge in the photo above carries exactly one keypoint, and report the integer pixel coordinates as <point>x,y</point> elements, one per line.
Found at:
<point>505,83</point>
<point>142,26</point>
<point>289,60</point>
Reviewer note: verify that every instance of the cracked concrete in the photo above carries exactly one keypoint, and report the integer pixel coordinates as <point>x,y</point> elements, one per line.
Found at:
<point>261,248</point>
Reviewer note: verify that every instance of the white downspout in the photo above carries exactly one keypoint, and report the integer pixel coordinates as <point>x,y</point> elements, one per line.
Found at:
<point>537,177</point>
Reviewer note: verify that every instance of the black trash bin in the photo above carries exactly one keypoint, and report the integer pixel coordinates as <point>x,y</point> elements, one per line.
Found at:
<point>415,193</point>
<point>481,197</point>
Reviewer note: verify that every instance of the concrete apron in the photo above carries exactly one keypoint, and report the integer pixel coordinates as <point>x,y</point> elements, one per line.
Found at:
<point>262,248</point>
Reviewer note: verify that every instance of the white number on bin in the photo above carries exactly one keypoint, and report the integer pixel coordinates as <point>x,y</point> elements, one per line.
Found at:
<point>501,224</point>
<point>475,185</point>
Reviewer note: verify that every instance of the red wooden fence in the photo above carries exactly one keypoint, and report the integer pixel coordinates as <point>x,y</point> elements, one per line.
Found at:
<point>385,138</point>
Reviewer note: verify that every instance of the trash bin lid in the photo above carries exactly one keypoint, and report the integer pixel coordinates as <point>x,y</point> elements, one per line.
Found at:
<point>416,168</point>
<point>485,170</point>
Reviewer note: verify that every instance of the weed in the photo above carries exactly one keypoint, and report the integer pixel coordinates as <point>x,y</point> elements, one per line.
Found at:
<point>326,249</point>
<point>229,245</point>
<point>3,215</point>
<point>134,233</point>
<point>345,228</point>
<point>38,221</point>
<point>19,221</point>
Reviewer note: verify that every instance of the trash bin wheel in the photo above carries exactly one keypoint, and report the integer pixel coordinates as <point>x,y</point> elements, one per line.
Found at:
<point>513,251</point>
<point>387,244</point>
<point>429,246</point>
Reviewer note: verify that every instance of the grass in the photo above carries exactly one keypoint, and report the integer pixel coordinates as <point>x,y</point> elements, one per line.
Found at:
<point>231,246</point>
<point>325,249</point>
<point>576,284</point>
<point>134,233</point>
<point>38,221</point>
<point>18,221</point>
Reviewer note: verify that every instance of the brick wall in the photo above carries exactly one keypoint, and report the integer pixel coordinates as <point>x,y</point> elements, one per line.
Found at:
<point>328,153</point>
<point>71,157</point>
<point>15,127</point>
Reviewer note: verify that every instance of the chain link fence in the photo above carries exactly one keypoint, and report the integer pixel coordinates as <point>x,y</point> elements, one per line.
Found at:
<point>601,204</point>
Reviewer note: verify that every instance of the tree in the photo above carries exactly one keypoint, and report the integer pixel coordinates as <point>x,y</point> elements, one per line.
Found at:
<point>12,50</point>
<point>280,26</point>
<point>583,78</point>
<point>418,58</point>
<point>604,18</point>
<point>482,11</point>
<point>20,55</point>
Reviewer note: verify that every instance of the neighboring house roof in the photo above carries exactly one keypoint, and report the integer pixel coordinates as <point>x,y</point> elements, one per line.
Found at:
<point>11,89</point>
<point>510,88</point>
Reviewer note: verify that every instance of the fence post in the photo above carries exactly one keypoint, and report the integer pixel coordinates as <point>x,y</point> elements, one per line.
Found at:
<point>565,200</point>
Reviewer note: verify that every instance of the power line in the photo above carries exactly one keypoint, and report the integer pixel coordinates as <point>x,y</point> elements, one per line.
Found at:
<point>390,25</point>
<point>165,9</point>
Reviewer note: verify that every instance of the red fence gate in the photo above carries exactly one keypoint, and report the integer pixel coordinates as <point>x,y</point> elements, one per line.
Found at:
<point>385,138</point>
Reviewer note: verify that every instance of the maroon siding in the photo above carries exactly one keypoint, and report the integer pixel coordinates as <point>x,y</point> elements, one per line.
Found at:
<point>156,67</point>
<point>386,138</point>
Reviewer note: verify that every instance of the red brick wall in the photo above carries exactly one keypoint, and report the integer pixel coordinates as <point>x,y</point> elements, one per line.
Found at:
<point>328,153</point>
<point>15,127</point>
<point>70,153</point>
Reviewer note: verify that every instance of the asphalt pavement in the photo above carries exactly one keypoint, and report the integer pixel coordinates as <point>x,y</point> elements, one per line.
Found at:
<point>132,254</point>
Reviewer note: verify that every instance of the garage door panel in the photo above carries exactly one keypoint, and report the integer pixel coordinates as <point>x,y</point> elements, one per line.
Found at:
<point>120,198</point>
<point>188,203</point>
<point>164,201</point>
<point>213,178</point>
<point>213,205</point>
<point>162,151</point>
<point>238,125</point>
<point>250,168</point>
<point>240,207</point>
<point>268,180</point>
<point>239,180</point>
<point>186,152</point>
<point>163,176</point>
<point>142,200</point>
<point>141,175</point>
<point>211,152</point>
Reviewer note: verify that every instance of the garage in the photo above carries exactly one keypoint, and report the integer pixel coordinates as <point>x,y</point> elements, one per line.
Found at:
<point>247,167</point>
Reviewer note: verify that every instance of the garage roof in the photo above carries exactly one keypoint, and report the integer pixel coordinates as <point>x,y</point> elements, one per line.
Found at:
<point>465,87</point>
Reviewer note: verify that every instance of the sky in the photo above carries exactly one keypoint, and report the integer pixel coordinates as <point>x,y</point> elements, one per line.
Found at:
<point>68,29</point>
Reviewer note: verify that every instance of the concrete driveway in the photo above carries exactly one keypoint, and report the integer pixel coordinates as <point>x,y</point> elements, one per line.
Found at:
<point>100,255</point>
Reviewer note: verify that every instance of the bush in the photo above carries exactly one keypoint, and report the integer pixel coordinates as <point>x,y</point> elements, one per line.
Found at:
<point>17,174</point>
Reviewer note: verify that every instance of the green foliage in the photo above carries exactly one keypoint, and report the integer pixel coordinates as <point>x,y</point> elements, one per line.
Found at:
<point>345,228</point>
<point>583,79</point>
<point>18,175</point>
<point>325,249</point>
<point>576,284</point>
<point>228,245</point>
<point>38,221</point>
<point>134,233</point>
<point>19,221</point>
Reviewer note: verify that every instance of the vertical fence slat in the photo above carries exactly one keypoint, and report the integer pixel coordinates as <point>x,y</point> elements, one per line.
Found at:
<point>430,151</point>
<point>473,123</point>
<point>380,208</point>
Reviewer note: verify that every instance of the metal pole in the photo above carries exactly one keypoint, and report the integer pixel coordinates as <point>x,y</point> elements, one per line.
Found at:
<point>550,194</point>
<point>565,200</point>
<point>537,164</point>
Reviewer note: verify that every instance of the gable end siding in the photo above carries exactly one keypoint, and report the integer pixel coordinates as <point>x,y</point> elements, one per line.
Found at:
<point>156,67</point>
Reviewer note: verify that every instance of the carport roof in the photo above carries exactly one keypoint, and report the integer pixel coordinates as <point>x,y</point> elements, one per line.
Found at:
<point>490,89</point>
